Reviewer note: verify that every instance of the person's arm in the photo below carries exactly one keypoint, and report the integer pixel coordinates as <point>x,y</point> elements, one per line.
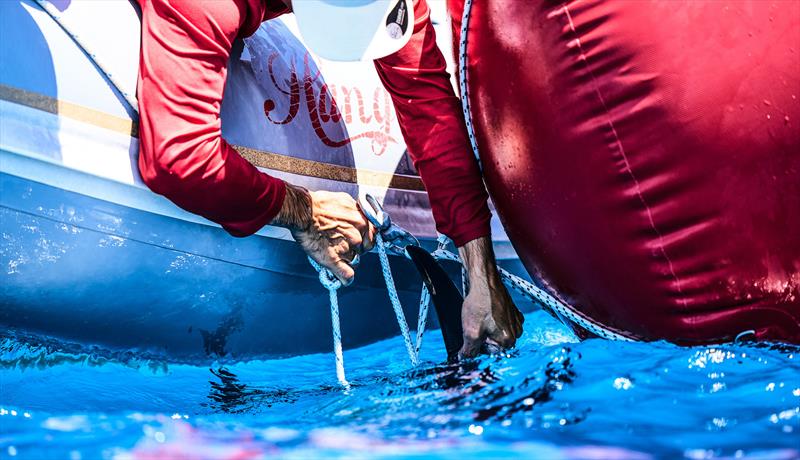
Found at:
<point>183,65</point>
<point>435,134</point>
<point>329,226</point>
<point>488,315</point>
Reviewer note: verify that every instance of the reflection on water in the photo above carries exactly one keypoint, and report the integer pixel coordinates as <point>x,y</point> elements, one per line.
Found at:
<point>550,398</point>
<point>229,395</point>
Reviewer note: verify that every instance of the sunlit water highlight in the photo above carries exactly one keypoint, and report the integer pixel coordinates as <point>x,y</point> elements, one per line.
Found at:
<point>552,397</point>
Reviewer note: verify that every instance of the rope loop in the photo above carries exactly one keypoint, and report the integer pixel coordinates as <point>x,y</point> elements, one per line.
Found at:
<point>332,284</point>
<point>563,311</point>
<point>326,278</point>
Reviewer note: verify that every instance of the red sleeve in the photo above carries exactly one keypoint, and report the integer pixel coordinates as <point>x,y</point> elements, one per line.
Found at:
<point>435,134</point>
<point>183,66</point>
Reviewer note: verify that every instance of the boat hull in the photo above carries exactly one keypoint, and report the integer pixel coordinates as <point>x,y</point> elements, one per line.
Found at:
<point>94,272</point>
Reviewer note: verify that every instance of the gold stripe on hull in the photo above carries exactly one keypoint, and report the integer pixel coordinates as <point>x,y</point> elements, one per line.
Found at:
<point>68,109</point>
<point>268,160</point>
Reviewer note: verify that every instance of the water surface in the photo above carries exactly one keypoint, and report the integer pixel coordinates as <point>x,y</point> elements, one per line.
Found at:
<point>552,397</point>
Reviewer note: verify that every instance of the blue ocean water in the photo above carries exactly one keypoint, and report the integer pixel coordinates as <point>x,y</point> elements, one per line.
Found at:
<point>552,397</point>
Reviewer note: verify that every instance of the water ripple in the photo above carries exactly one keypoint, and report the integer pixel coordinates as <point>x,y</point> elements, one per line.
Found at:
<point>551,397</point>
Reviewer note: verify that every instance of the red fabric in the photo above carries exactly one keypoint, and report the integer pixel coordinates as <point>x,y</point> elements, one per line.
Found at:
<point>185,50</point>
<point>433,128</point>
<point>645,157</point>
<point>182,70</point>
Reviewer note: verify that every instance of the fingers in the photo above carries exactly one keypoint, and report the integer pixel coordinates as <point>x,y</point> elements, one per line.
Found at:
<point>338,216</point>
<point>492,348</point>
<point>352,257</point>
<point>473,340</point>
<point>503,338</point>
<point>518,324</point>
<point>343,271</point>
<point>513,318</point>
<point>489,345</point>
<point>353,237</point>
<point>470,349</point>
<point>361,238</point>
<point>368,238</point>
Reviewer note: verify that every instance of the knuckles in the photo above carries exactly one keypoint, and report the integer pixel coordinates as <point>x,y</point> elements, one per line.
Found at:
<point>507,341</point>
<point>471,335</point>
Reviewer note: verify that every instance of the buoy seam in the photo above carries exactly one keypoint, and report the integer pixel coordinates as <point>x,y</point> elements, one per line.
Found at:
<point>562,310</point>
<point>462,81</point>
<point>622,152</point>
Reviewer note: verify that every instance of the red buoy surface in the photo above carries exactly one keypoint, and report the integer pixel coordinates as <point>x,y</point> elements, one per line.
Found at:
<point>645,157</point>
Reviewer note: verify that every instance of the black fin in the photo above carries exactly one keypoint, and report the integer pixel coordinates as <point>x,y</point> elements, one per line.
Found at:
<point>446,299</point>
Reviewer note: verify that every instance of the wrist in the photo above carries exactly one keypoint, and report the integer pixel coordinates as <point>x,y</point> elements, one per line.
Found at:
<point>478,258</point>
<point>296,212</point>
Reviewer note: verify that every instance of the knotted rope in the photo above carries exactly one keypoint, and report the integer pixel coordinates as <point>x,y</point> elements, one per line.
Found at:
<point>524,287</point>
<point>332,284</point>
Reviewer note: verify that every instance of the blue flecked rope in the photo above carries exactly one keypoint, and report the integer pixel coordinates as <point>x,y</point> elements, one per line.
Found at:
<point>332,284</point>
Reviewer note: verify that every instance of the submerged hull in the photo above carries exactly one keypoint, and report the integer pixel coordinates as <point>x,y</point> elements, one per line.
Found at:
<point>94,272</point>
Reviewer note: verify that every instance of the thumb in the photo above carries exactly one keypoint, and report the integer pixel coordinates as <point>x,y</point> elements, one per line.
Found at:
<point>343,271</point>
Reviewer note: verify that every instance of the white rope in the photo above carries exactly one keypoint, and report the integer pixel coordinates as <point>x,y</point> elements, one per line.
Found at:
<point>538,295</point>
<point>422,317</point>
<point>53,12</point>
<point>332,284</point>
<point>394,299</point>
<point>337,338</point>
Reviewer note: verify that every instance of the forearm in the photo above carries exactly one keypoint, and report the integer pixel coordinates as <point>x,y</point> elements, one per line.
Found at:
<point>433,128</point>
<point>184,55</point>
<point>488,314</point>
<point>479,261</point>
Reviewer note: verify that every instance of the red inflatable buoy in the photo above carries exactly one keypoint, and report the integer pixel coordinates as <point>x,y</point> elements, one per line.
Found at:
<point>645,157</point>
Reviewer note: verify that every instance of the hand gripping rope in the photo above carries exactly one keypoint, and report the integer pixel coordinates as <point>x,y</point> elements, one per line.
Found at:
<point>392,239</point>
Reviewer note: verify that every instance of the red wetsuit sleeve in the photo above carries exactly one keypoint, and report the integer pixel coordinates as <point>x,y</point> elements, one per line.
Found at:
<point>435,134</point>
<point>183,66</point>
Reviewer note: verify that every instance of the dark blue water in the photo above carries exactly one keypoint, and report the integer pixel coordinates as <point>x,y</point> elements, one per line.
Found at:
<point>550,398</point>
